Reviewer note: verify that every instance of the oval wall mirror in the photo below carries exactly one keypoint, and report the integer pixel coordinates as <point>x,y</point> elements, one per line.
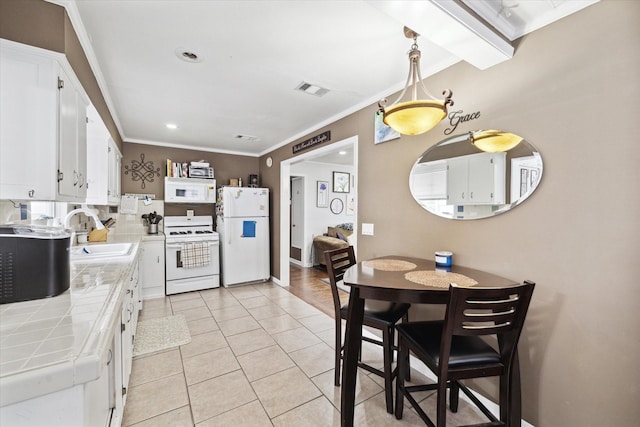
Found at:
<point>455,179</point>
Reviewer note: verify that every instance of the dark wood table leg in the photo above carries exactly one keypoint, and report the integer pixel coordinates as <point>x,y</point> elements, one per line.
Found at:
<point>352,339</point>
<point>511,397</point>
<point>515,396</point>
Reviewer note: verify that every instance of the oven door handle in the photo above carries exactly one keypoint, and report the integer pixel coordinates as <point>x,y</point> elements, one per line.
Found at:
<point>179,246</point>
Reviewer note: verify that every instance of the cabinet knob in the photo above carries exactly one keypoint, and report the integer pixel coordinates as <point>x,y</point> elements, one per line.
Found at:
<point>32,193</point>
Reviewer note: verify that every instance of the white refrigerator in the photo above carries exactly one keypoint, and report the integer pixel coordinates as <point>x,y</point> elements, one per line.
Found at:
<point>243,224</point>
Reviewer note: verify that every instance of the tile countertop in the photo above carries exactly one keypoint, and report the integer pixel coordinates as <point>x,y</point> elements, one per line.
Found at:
<point>51,344</point>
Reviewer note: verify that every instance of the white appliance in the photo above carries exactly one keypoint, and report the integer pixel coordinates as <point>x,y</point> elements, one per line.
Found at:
<point>192,254</point>
<point>189,190</point>
<point>243,224</point>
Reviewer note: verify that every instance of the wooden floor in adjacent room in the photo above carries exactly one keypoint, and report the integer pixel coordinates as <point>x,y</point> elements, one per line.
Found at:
<point>305,283</point>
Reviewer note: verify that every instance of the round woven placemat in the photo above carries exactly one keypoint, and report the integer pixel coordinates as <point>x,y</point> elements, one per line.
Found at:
<point>389,264</point>
<point>439,279</point>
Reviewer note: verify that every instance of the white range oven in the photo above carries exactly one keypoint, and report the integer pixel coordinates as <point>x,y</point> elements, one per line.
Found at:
<point>192,254</point>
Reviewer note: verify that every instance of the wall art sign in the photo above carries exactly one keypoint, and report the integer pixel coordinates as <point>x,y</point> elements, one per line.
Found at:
<point>382,132</point>
<point>341,182</point>
<point>457,117</point>
<point>318,139</point>
<point>143,171</point>
<point>322,195</point>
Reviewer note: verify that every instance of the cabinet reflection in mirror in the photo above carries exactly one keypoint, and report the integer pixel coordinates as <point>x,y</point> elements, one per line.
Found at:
<point>454,179</point>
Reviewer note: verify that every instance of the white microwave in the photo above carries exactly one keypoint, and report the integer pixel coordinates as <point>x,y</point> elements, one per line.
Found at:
<point>189,190</point>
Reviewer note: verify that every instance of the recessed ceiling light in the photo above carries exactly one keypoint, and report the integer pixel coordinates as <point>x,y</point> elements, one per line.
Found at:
<point>171,126</point>
<point>187,55</point>
<point>342,153</point>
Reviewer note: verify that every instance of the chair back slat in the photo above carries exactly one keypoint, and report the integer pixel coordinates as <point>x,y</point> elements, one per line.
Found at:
<point>337,262</point>
<point>486,311</point>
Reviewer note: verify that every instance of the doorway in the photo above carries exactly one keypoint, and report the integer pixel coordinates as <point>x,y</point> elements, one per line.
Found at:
<point>297,219</point>
<point>285,197</point>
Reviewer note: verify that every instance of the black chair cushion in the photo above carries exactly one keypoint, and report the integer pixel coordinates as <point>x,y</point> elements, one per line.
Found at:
<point>424,339</point>
<point>390,316</point>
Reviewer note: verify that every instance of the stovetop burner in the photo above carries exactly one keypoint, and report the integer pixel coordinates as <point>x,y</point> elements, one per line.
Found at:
<point>184,229</point>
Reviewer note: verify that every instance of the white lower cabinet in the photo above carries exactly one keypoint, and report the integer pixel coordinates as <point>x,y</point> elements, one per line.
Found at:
<point>129,321</point>
<point>97,403</point>
<point>152,269</point>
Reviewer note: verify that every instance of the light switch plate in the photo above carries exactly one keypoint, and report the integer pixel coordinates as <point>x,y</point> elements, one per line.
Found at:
<point>367,229</point>
<point>190,213</point>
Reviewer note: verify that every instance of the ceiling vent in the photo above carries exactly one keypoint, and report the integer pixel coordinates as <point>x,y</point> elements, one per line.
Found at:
<point>312,89</point>
<point>187,55</point>
<point>247,138</point>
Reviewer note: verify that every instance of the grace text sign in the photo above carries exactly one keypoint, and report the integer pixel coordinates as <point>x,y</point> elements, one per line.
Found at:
<point>318,139</point>
<point>456,117</point>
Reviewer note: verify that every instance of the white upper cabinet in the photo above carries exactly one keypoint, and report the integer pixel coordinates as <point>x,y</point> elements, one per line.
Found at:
<point>72,160</point>
<point>103,163</point>
<point>42,126</point>
<point>476,179</point>
<point>115,169</point>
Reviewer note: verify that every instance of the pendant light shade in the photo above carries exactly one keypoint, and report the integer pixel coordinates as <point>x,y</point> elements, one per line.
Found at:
<point>415,116</point>
<point>494,141</point>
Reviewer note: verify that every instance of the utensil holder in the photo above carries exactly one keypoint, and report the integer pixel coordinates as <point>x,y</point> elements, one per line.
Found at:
<point>153,228</point>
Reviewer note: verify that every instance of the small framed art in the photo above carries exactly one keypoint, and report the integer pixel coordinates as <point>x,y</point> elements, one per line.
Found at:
<point>322,194</point>
<point>341,182</point>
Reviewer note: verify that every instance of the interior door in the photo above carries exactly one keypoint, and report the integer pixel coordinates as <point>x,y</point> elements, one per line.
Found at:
<point>297,217</point>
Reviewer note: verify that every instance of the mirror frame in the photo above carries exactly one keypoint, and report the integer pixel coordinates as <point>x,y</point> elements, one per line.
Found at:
<point>440,181</point>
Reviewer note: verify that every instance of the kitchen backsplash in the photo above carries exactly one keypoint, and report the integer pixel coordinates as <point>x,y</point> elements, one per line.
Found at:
<point>52,213</point>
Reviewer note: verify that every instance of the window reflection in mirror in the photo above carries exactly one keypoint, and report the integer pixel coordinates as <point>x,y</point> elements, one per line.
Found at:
<point>454,179</point>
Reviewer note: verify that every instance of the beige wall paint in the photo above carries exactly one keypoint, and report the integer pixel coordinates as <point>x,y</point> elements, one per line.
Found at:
<point>225,166</point>
<point>572,90</point>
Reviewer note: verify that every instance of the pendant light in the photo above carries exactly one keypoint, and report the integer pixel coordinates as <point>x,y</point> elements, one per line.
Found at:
<point>494,141</point>
<point>415,116</point>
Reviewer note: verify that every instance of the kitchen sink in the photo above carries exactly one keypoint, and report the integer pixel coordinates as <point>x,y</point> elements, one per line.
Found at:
<point>101,251</point>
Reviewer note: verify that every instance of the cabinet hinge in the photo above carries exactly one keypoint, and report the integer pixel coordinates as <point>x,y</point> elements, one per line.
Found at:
<point>60,175</point>
<point>60,83</point>
<point>491,161</point>
<point>124,391</point>
<point>122,327</point>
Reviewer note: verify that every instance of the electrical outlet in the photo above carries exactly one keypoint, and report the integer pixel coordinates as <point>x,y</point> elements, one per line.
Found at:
<point>367,229</point>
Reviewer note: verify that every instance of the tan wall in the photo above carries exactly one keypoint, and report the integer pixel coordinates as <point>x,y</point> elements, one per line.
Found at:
<point>572,90</point>
<point>46,25</point>
<point>225,166</point>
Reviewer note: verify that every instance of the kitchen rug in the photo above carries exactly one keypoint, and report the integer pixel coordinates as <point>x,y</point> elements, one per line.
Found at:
<point>161,333</point>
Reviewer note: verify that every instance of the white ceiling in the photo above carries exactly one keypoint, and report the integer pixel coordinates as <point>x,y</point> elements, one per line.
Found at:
<point>253,54</point>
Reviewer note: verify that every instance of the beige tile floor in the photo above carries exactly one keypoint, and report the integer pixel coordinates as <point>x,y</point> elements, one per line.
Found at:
<point>258,356</point>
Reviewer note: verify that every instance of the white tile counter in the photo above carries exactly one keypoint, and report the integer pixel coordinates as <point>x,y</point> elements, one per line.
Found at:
<point>52,344</point>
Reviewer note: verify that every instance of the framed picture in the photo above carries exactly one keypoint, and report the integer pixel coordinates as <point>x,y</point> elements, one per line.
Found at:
<point>337,206</point>
<point>322,194</point>
<point>351,205</point>
<point>382,133</point>
<point>340,182</point>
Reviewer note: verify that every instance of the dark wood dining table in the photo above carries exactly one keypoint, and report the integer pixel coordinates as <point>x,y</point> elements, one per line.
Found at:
<point>386,279</point>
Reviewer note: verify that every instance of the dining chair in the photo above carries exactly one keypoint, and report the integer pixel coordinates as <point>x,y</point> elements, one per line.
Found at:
<point>453,349</point>
<point>383,317</point>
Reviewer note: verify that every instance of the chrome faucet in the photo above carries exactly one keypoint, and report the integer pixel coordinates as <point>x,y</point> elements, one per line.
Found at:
<point>86,211</point>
